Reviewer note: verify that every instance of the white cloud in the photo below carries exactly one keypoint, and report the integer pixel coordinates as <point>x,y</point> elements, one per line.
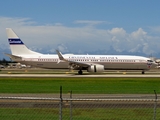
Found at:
<point>90,22</point>
<point>18,22</point>
<point>139,34</point>
<point>62,48</point>
<point>118,32</point>
<point>78,38</point>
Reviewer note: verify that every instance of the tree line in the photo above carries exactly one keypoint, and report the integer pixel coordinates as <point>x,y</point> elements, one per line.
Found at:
<point>5,62</point>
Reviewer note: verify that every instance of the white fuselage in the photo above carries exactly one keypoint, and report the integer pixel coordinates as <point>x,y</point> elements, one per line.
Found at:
<point>109,61</point>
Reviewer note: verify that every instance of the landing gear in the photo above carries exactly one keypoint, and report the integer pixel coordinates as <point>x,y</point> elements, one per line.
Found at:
<point>143,72</point>
<point>80,72</point>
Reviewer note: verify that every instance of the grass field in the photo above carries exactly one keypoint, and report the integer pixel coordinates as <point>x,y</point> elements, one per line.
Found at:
<point>81,85</point>
<point>78,114</point>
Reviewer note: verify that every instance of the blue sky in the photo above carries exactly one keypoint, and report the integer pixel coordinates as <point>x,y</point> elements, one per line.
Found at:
<point>119,13</point>
<point>83,25</point>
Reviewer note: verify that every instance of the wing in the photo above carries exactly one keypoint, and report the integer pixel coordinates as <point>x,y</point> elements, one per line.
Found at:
<point>74,64</point>
<point>90,67</point>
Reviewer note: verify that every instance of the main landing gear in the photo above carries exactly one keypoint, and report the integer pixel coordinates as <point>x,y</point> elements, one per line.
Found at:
<point>143,72</point>
<point>80,72</point>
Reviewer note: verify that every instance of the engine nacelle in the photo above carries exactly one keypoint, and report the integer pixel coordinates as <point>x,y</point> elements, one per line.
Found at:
<point>96,68</point>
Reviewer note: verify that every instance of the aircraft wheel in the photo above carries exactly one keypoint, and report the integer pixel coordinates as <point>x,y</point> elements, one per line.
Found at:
<point>80,72</point>
<point>143,72</point>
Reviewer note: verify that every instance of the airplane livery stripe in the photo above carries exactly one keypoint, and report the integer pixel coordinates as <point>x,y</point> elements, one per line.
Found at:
<point>13,41</point>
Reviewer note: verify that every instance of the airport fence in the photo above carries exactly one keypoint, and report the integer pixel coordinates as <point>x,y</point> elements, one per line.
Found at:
<point>45,108</point>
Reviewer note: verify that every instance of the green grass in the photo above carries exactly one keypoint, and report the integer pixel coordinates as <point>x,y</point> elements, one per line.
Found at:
<point>77,114</point>
<point>81,85</point>
<point>28,114</point>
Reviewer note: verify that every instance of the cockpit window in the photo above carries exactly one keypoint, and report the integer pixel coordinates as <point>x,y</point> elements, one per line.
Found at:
<point>149,60</point>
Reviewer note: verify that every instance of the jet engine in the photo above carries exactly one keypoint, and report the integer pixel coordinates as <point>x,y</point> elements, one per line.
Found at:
<point>96,68</point>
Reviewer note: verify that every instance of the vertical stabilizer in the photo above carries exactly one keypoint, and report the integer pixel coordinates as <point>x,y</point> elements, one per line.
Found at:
<point>16,45</point>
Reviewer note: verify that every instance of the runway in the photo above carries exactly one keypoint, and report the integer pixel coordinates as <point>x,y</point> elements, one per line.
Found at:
<point>85,75</point>
<point>40,96</point>
<point>78,101</point>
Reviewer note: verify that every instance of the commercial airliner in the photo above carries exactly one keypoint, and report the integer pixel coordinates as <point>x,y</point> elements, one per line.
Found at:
<point>91,63</point>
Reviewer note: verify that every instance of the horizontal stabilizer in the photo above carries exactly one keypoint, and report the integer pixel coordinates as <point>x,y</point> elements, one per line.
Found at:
<point>13,57</point>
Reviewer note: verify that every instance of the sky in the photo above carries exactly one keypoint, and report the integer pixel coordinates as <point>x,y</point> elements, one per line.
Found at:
<point>79,26</point>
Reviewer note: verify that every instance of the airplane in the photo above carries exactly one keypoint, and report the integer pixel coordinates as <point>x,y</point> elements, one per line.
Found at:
<point>91,63</point>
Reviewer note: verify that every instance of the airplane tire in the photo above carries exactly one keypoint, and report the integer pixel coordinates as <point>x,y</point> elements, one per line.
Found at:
<point>80,72</point>
<point>143,72</point>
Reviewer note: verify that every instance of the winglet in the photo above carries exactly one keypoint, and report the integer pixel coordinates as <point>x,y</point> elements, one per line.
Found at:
<point>60,57</point>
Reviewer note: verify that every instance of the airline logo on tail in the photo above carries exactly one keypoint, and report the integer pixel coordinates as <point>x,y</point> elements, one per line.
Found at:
<point>15,41</point>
